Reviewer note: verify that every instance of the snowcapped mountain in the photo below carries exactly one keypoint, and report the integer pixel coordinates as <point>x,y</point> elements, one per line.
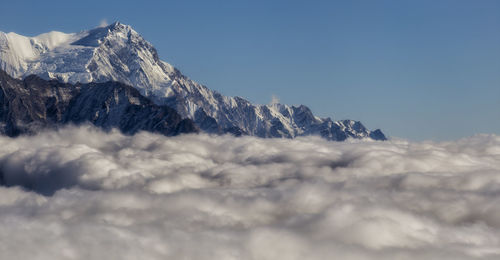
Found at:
<point>118,53</point>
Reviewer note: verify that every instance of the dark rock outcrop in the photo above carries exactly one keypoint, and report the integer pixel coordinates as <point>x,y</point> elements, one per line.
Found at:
<point>28,105</point>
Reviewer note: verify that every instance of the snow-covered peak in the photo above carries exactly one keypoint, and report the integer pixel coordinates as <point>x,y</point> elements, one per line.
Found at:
<point>114,52</point>
<point>17,52</point>
<point>115,31</point>
<point>31,47</point>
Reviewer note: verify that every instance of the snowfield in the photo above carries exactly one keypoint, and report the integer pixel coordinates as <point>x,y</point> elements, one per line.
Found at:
<point>81,193</point>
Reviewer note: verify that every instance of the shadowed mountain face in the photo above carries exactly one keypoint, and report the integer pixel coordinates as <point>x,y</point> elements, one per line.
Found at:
<point>118,53</point>
<point>29,105</point>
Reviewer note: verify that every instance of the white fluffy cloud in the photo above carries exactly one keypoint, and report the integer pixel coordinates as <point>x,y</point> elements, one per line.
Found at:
<point>80,193</point>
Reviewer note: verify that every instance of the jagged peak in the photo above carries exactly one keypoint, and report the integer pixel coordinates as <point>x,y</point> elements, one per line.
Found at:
<point>115,24</point>
<point>118,26</point>
<point>97,35</point>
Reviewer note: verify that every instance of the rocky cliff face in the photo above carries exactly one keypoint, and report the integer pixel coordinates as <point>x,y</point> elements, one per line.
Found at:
<point>118,53</point>
<point>29,105</point>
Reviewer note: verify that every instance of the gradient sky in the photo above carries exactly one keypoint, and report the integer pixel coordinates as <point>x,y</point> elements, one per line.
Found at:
<point>426,69</point>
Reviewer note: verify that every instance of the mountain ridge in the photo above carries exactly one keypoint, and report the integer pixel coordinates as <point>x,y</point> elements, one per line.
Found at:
<point>118,53</point>
<point>32,104</point>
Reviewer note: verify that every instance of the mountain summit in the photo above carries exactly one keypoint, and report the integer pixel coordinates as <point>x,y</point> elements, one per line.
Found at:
<point>118,53</point>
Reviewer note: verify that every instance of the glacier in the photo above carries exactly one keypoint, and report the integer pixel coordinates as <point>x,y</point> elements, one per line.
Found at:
<point>118,53</point>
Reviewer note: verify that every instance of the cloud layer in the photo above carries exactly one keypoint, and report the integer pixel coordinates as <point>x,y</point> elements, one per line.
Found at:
<point>80,193</point>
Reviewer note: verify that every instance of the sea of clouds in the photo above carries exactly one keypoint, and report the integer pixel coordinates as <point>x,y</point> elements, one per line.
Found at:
<point>80,193</point>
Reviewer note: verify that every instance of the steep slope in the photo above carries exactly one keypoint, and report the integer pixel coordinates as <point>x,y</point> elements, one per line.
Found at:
<point>118,53</point>
<point>32,104</point>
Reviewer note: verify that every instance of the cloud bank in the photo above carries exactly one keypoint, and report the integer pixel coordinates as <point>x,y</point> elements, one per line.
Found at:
<point>80,193</point>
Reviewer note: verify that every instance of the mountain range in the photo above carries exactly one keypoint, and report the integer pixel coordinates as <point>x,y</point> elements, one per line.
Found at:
<point>77,73</point>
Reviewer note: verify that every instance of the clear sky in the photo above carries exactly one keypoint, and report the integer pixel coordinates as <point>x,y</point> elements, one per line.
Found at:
<point>426,69</point>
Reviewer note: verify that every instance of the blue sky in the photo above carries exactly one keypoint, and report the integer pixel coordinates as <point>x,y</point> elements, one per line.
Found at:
<point>416,69</point>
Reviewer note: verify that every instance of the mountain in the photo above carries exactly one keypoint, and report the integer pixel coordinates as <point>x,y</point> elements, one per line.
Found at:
<point>118,53</point>
<point>34,103</point>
